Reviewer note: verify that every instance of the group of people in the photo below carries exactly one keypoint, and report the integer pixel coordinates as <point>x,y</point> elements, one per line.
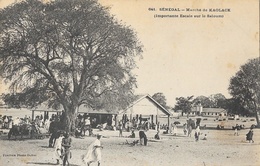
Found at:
<point>93,153</point>
<point>5,122</point>
<point>62,148</point>
<point>62,152</point>
<point>249,135</point>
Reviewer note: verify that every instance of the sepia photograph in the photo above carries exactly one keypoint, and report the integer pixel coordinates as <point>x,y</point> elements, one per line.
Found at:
<point>129,83</point>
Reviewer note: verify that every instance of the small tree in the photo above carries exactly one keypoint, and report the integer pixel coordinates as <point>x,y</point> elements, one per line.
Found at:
<point>203,100</point>
<point>184,104</point>
<point>245,86</point>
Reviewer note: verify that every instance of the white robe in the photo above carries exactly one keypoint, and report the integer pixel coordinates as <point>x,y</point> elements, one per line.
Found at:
<point>175,129</point>
<point>58,147</point>
<point>93,154</point>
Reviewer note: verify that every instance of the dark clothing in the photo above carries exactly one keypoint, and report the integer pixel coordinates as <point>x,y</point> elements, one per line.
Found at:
<point>249,136</point>
<point>142,135</point>
<point>53,138</point>
<point>132,135</point>
<point>157,136</point>
<point>197,136</point>
<point>53,129</point>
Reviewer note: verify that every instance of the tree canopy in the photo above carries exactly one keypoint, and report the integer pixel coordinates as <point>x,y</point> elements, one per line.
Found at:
<point>184,104</point>
<point>245,86</point>
<point>70,52</point>
<point>161,99</point>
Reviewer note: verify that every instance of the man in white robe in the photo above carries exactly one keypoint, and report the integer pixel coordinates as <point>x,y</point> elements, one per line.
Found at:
<point>58,149</point>
<point>93,153</point>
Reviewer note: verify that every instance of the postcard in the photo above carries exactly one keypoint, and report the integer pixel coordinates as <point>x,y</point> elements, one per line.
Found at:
<point>140,82</point>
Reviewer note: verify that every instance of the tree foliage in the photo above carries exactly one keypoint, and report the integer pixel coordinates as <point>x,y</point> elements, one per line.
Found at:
<point>234,106</point>
<point>68,51</point>
<point>245,86</point>
<point>184,104</point>
<point>217,100</point>
<point>203,100</point>
<point>213,101</point>
<point>161,99</point>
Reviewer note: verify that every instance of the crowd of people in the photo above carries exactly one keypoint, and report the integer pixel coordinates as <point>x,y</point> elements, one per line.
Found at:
<point>61,141</point>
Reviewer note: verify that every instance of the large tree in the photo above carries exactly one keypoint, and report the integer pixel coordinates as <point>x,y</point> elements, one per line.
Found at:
<point>234,106</point>
<point>245,86</point>
<point>69,52</point>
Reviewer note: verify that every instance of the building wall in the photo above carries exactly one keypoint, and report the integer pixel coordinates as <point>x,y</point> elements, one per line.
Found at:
<point>213,114</point>
<point>145,107</point>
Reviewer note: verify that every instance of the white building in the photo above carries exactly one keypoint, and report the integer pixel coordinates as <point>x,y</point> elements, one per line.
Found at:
<point>146,108</point>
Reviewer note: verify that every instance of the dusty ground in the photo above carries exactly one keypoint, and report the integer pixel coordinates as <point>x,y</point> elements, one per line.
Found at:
<point>221,148</point>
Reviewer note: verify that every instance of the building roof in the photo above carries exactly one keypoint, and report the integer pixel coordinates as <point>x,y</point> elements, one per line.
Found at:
<point>86,109</point>
<point>214,110</point>
<point>82,109</point>
<point>89,110</point>
<point>141,97</point>
<point>44,107</point>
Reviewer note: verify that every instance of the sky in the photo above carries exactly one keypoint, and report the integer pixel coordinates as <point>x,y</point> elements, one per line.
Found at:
<point>188,56</point>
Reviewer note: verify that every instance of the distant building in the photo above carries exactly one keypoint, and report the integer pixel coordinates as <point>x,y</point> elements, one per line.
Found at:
<point>214,112</point>
<point>144,107</point>
<point>209,112</point>
<point>197,110</point>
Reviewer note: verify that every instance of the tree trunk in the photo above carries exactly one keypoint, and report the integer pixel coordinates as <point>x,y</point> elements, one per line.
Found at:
<point>257,118</point>
<point>188,114</point>
<point>256,114</point>
<point>71,115</point>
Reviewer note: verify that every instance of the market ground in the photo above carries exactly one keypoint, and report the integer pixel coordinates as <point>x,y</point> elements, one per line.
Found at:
<point>221,148</point>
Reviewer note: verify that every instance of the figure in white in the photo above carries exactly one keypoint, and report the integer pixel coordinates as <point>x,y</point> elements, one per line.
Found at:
<point>93,153</point>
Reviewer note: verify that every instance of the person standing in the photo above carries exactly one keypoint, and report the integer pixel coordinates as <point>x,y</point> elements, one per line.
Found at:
<point>185,128</point>
<point>120,126</point>
<point>175,129</point>
<point>189,130</point>
<point>53,130</point>
<point>249,136</point>
<point>66,144</point>
<point>93,152</point>
<point>236,130</point>
<point>58,149</point>
<point>197,133</point>
<point>143,138</point>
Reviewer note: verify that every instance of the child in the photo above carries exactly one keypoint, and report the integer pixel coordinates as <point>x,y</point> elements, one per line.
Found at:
<point>66,144</point>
